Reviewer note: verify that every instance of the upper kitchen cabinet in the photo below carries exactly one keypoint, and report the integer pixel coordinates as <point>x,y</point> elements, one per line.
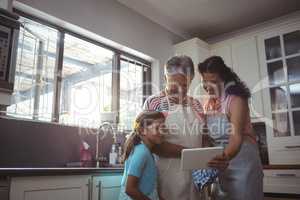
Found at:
<point>246,65</point>
<point>198,50</point>
<point>9,30</point>
<point>241,55</point>
<point>224,51</point>
<point>280,61</point>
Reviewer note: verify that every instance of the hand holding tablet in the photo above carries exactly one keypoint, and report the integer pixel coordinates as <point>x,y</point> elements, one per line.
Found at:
<point>198,158</point>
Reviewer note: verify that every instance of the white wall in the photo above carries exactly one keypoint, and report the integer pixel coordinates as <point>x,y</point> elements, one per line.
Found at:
<point>6,4</point>
<point>115,22</point>
<point>5,98</point>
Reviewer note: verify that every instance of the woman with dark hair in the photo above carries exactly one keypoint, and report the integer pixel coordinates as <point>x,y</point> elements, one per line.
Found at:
<point>229,124</point>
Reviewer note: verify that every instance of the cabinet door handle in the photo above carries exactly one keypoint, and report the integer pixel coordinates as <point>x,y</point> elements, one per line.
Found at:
<point>99,186</point>
<point>286,175</point>
<point>90,189</point>
<point>293,147</point>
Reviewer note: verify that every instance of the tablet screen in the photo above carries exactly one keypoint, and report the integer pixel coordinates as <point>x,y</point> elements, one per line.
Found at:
<point>197,158</point>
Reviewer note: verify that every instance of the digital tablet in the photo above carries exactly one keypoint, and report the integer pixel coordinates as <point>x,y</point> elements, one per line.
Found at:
<point>198,158</point>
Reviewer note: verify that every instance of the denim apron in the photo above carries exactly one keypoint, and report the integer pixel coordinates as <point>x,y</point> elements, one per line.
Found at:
<point>243,179</point>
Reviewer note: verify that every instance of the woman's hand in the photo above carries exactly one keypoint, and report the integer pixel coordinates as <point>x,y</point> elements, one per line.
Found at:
<point>219,162</point>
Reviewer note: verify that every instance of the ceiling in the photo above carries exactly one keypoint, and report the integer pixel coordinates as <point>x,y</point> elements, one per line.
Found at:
<point>209,18</point>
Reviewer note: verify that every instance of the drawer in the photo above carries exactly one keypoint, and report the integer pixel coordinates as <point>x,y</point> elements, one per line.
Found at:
<point>282,181</point>
<point>284,156</point>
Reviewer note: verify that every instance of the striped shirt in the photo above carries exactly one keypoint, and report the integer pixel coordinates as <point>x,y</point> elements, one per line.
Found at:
<point>161,103</point>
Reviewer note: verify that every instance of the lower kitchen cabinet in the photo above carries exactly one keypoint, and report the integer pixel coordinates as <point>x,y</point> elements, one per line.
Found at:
<point>106,187</point>
<point>50,188</point>
<point>282,181</point>
<point>4,189</point>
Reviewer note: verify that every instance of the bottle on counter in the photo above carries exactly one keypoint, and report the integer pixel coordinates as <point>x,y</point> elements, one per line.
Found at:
<point>120,159</point>
<point>113,156</point>
<point>85,155</point>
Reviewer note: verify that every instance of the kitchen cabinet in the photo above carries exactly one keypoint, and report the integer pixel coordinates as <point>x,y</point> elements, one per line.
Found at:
<point>268,62</point>
<point>198,50</point>
<point>241,55</point>
<point>246,65</point>
<point>106,187</point>
<point>282,181</point>
<point>50,187</point>
<point>224,51</point>
<point>267,58</point>
<point>280,60</point>
<point>4,189</point>
<point>9,28</point>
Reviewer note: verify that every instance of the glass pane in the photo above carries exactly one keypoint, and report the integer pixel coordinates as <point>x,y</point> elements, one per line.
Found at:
<point>35,70</point>
<point>279,98</point>
<point>275,72</point>
<point>292,43</point>
<point>281,124</point>
<point>86,82</point>
<point>293,68</point>
<point>295,95</point>
<point>273,49</point>
<point>131,93</point>
<point>296,119</point>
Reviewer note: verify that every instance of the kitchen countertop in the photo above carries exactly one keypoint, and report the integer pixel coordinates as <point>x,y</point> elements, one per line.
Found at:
<point>267,167</point>
<point>58,171</point>
<point>89,170</point>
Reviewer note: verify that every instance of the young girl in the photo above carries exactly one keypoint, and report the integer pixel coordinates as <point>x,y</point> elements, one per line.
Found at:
<point>140,174</point>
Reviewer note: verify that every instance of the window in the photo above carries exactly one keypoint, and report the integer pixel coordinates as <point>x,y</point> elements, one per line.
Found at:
<point>34,77</point>
<point>70,79</point>
<point>86,82</point>
<point>131,91</point>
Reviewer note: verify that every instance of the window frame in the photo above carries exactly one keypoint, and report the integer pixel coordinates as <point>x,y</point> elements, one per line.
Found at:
<point>117,57</point>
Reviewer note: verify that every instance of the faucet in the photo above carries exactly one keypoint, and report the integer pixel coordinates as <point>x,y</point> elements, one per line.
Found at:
<point>104,128</point>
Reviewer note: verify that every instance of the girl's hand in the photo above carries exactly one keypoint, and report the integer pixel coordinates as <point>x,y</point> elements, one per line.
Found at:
<point>219,162</point>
